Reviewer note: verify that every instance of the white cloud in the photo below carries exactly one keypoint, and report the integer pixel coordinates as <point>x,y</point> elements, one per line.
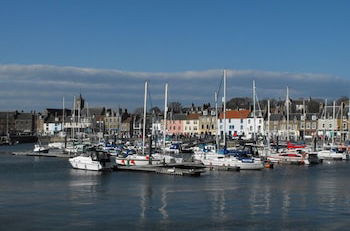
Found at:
<point>40,86</point>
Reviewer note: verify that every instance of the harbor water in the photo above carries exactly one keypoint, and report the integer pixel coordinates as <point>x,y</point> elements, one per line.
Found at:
<point>47,194</point>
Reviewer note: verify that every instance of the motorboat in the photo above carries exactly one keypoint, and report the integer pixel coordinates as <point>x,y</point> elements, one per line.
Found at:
<point>332,153</point>
<point>224,159</point>
<point>93,160</point>
<point>297,156</point>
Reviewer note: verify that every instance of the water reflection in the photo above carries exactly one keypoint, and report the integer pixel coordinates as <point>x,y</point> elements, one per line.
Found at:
<point>164,203</point>
<point>83,185</point>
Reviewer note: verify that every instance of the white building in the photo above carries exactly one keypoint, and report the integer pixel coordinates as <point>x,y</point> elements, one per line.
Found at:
<point>236,123</point>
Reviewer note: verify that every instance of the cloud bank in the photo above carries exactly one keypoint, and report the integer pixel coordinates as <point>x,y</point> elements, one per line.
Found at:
<point>36,87</point>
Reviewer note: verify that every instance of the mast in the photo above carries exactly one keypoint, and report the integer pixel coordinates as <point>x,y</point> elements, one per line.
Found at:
<point>144,119</point>
<point>304,107</point>
<point>254,112</point>
<point>268,126</point>
<point>73,119</point>
<point>341,122</point>
<point>165,114</point>
<point>79,112</point>
<point>63,111</point>
<point>216,119</point>
<point>334,123</point>
<point>225,109</point>
<point>324,122</point>
<point>287,101</point>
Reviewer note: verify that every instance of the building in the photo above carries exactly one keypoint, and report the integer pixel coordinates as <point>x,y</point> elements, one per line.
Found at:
<point>207,122</point>
<point>236,123</point>
<point>175,125</point>
<point>112,121</point>
<point>191,124</point>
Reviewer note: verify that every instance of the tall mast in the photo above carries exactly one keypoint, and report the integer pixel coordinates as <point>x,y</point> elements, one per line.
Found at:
<point>324,121</point>
<point>304,107</point>
<point>254,112</point>
<point>334,123</point>
<point>216,119</point>
<point>63,111</point>
<point>74,118</point>
<point>348,125</point>
<point>144,119</point>
<point>268,125</point>
<point>225,109</point>
<point>79,112</point>
<point>165,114</point>
<point>287,101</point>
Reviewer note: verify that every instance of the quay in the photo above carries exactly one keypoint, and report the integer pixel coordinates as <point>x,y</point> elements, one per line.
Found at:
<point>41,154</point>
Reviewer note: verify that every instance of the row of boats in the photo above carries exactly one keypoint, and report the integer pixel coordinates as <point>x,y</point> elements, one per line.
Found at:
<point>109,156</point>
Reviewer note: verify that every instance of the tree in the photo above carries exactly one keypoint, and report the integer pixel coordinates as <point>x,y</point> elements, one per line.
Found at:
<point>138,111</point>
<point>175,107</point>
<point>155,110</point>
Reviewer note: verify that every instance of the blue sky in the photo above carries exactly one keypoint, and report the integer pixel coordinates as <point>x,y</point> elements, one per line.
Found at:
<point>295,37</point>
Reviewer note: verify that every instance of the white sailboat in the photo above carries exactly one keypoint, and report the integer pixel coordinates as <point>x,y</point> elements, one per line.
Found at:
<point>137,159</point>
<point>220,159</point>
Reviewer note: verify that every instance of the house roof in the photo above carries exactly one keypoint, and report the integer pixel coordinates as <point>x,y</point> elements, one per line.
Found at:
<point>178,117</point>
<point>235,114</point>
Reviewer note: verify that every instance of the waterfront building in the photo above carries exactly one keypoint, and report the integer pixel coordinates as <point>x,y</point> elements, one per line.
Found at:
<point>236,123</point>
<point>112,121</point>
<point>248,128</point>
<point>207,122</point>
<point>175,124</point>
<point>126,127</point>
<point>191,124</point>
<point>24,123</point>
<point>7,123</point>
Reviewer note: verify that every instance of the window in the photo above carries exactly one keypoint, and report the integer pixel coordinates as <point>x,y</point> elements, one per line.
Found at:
<point>241,127</point>
<point>229,120</point>
<point>241,121</point>
<point>251,128</point>
<point>207,126</point>
<point>330,125</point>
<point>212,126</point>
<point>313,125</point>
<point>202,126</point>
<point>259,121</point>
<point>249,121</point>
<point>221,121</point>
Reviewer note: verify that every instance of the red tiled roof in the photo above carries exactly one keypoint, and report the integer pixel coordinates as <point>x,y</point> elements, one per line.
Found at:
<point>234,114</point>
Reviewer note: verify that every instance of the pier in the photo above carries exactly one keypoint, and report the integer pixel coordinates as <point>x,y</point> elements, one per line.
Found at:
<point>183,169</point>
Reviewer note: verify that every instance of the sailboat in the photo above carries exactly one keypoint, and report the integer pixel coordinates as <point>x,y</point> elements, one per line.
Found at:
<point>137,159</point>
<point>222,158</point>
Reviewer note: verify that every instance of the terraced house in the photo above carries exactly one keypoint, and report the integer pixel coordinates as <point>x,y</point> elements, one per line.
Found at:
<point>191,124</point>
<point>207,122</point>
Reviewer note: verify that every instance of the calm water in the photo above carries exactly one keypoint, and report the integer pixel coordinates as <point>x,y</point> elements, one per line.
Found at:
<point>46,194</point>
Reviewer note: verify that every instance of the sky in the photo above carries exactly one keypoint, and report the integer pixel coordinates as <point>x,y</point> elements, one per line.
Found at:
<point>107,49</point>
